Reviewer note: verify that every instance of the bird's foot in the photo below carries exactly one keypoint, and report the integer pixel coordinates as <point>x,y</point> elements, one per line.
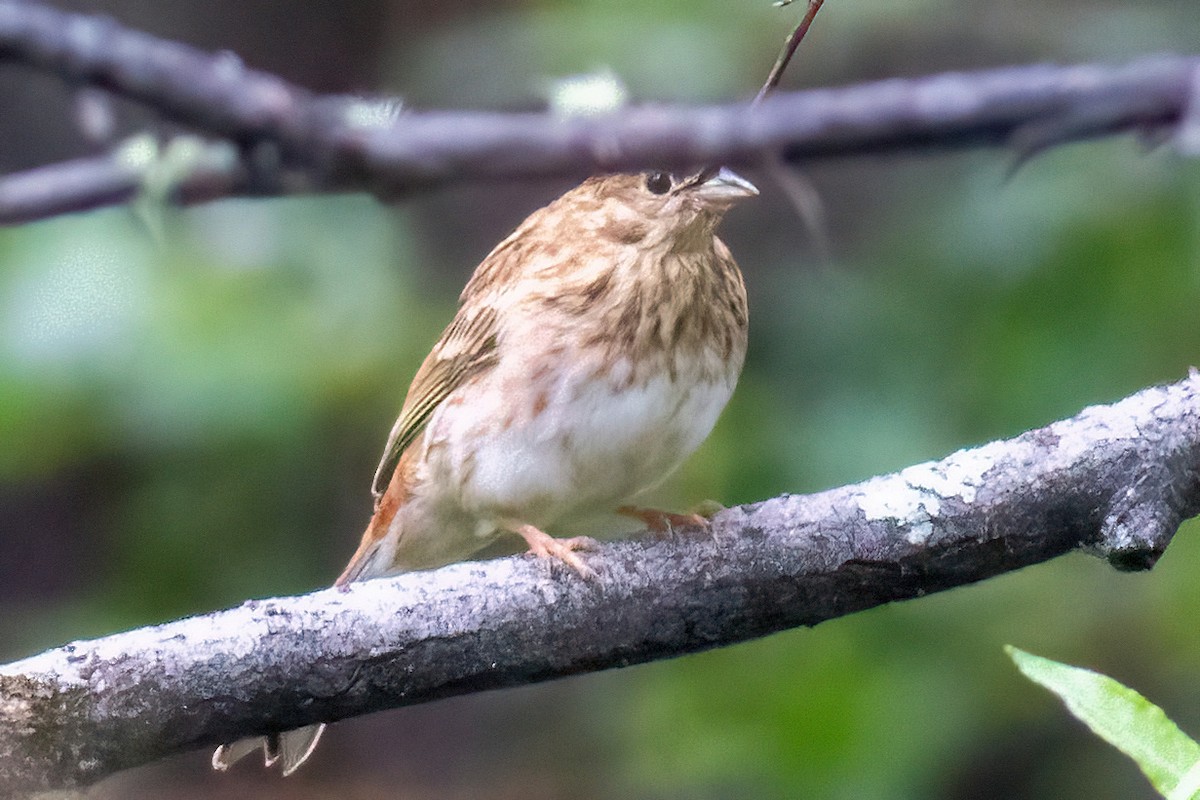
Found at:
<point>544,545</point>
<point>662,521</point>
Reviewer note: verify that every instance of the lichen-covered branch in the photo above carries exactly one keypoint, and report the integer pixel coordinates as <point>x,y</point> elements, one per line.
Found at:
<point>347,143</point>
<point>1115,480</point>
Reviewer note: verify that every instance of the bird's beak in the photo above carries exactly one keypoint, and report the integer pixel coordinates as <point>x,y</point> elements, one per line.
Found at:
<point>725,188</point>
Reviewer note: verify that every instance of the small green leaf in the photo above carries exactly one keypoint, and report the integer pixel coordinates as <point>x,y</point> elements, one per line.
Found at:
<point>1124,719</point>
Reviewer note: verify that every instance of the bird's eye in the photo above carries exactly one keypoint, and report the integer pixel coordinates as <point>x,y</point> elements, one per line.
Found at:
<point>658,182</point>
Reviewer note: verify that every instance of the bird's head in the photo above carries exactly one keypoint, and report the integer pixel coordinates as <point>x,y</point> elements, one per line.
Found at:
<point>634,207</point>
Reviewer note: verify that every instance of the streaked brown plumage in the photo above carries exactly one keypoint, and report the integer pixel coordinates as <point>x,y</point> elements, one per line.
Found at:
<point>591,353</point>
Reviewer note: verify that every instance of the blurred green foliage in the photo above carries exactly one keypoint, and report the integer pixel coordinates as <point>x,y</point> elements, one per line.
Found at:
<point>191,421</point>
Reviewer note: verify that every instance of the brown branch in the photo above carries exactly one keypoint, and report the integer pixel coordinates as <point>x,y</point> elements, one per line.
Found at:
<point>1115,480</point>
<point>344,143</point>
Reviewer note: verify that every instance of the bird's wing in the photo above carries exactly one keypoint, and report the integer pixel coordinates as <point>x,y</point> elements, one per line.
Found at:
<point>467,347</point>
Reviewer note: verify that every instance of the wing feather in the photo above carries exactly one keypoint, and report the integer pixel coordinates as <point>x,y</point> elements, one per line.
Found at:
<point>467,347</point>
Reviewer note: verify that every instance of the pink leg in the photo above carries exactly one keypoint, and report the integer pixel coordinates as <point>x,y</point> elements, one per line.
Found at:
<point>544,545</point>
<point>661,521</point>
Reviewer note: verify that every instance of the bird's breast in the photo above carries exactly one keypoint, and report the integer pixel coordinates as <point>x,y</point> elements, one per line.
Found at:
<point>575,440</point>
<point>600,390</point>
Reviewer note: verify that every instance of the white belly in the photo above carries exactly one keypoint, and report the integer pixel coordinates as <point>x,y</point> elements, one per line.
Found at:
<point>580,448</point>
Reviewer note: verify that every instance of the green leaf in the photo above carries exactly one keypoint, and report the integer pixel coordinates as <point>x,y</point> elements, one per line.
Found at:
<point>1124,719</point>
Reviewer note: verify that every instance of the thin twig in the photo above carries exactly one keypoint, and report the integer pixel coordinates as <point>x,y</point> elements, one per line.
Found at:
<point>798,189</point>
<point>789,49</point>
<point>806,202</point>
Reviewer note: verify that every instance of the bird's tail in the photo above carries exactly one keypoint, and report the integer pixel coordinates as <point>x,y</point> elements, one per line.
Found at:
<point>290,749</point>
<point>374,554</point>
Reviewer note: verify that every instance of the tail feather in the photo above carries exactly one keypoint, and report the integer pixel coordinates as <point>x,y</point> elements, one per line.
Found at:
<point>290,749</point>
<point>227,755</point>
<point>373,556</point>
<point>294,747</point>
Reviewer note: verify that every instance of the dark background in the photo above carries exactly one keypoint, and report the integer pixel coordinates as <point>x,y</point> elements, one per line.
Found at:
<point>192,403</point>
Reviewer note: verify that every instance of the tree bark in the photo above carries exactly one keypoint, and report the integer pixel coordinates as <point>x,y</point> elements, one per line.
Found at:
<point>1114,480</point>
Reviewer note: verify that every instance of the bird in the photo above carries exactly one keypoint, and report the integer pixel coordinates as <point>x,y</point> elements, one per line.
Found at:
<point>591,352</point>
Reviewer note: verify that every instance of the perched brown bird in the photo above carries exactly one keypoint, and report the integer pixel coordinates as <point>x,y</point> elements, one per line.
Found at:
<point>592,351</point>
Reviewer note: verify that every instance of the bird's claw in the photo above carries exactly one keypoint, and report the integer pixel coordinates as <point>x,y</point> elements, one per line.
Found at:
<point>544,545</point>
<point>662,521</point>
